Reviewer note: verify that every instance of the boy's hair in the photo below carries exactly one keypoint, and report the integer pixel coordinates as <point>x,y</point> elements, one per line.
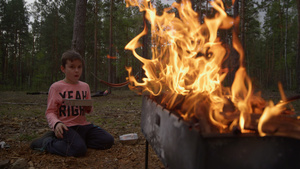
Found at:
<point>70,55</point>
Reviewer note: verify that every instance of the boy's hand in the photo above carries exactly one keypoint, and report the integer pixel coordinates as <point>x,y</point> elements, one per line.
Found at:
<point>59,130</point>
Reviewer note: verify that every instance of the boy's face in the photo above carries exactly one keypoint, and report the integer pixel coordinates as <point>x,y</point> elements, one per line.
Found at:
<point>72,71</point>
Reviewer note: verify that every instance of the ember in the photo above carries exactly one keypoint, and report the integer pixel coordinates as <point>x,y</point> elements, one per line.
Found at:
<point>185,73</point>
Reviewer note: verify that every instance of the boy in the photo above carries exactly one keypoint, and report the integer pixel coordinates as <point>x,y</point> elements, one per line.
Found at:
<point>72,134</point>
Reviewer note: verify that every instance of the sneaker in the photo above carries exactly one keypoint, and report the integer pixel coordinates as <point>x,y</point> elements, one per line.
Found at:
<point>40,143</point>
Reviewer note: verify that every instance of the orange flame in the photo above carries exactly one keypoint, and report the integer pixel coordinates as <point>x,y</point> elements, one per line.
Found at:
<point>187,59</point>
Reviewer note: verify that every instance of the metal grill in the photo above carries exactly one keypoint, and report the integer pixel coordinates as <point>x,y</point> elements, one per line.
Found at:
<point>180,145</point>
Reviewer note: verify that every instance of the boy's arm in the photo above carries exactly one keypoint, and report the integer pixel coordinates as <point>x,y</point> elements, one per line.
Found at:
<point>88,109</point>
<point>53,104</point>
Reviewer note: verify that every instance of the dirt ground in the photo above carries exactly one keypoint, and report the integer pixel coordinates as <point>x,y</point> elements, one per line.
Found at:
<point>22,119</point>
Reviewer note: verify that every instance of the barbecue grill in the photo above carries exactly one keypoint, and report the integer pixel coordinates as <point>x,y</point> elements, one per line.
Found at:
<point>181,145</point>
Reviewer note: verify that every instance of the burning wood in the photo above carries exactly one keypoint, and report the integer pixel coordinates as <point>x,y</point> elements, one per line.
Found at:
<point>191,85</point>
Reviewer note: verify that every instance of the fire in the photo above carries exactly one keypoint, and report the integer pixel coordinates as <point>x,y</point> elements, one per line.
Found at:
<point>186,66</point>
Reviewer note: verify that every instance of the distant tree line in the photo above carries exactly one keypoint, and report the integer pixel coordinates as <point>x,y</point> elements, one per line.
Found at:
<point>33,37</point>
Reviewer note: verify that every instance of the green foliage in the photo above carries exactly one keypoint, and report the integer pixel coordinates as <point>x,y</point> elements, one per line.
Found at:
<point>30,50</point>
<point>280,28</point>
<point>13,35</point>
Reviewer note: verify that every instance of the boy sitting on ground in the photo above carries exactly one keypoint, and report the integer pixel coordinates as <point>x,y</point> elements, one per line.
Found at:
<point>71,133</point>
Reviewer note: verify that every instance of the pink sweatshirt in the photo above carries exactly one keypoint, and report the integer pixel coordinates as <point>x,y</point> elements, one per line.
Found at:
<point>57,111</point>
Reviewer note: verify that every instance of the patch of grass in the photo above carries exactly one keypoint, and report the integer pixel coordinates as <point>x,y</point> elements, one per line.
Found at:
<point>136,123</point>
<point>96,120</point>
<point>27,137</point>
<point>111,122</point>
<point>122,124</point>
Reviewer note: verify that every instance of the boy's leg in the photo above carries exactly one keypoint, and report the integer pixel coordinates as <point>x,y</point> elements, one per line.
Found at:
<point>98,138</point>
<point>71,144</point>
<point>40,143</point>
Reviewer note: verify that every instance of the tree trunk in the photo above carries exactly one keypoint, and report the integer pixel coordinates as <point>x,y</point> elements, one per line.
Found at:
<point>19,74</point>
<point>110,66</point>
<point>206,8</point>
<point>15,61</point>
<point>298,53</point>
<point>200,11</point>
<point>285,45</point>
<point>3,59</point>
<point>55,48</point>
<point>243,23</point>
<point>95,46</point>
<point>234,56</point>
<point>194,7</point>
<point>78,41</point>
<point>243,36</point>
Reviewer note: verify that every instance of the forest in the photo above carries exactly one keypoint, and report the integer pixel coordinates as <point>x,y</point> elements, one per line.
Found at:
<point>33,37</point>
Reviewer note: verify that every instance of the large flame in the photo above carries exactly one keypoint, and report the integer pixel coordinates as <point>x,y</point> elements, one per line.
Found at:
<point>186,65</point>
